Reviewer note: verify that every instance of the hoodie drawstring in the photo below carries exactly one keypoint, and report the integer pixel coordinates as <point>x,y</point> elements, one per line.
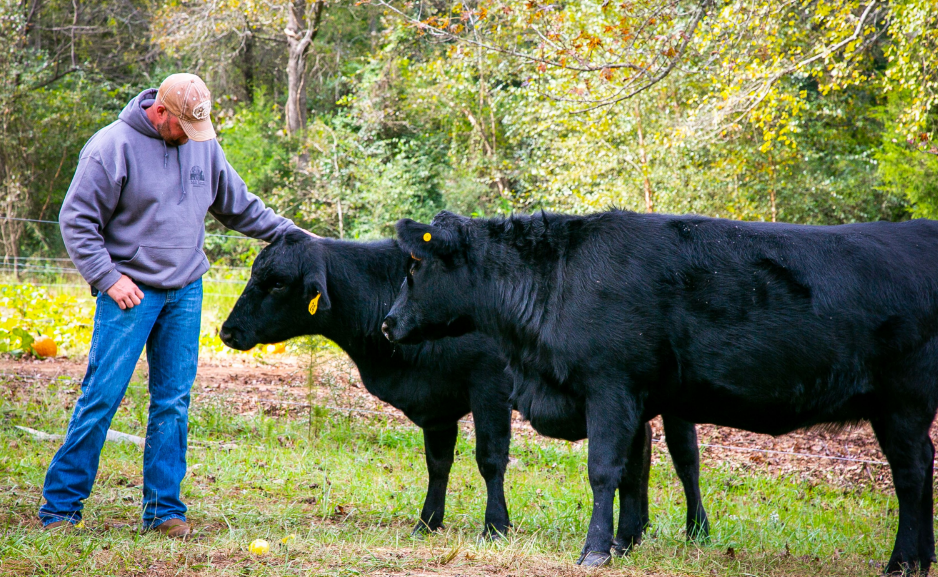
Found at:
<point>182,182</point>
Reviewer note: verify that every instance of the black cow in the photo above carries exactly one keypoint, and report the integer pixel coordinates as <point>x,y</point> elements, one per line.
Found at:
<point>758,326</point>
<point>436,383</point>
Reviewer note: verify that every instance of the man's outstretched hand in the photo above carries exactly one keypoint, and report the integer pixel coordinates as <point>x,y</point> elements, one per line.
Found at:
<point>125,293</point>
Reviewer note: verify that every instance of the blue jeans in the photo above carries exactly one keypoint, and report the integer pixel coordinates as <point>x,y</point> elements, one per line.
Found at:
<point>168,323</point>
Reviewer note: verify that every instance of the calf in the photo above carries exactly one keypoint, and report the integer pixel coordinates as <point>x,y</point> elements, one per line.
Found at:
<point>759,326</point>
<point>303,285</point>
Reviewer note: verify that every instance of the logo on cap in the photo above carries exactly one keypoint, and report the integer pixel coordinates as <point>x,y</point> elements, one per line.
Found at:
<point>200,112</point>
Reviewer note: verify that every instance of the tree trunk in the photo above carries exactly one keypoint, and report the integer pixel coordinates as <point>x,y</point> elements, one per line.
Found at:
<point>13,196</point>
<point>649,194</point>
<point>772,192</point>
<point>247,68</point>
<point>772,198</point>
<point>300,31</point>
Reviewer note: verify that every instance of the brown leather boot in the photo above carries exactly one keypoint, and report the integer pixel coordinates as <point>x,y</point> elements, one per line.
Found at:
<point>175,529</point>
<point>60,525</point>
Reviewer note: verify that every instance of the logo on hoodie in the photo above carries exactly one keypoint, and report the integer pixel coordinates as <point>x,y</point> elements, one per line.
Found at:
<point>196,176</point>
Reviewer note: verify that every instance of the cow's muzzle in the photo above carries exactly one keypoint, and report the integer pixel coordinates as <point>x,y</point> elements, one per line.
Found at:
<point>231,336</point>
<point>397,330</point>
<point>387,328</point>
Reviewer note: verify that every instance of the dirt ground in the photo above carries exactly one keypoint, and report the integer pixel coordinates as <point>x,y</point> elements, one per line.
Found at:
<point>278,385</point>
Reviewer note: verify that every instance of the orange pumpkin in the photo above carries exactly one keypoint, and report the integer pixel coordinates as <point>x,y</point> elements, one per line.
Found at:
<point>276,349</point>
<point>44,346</point>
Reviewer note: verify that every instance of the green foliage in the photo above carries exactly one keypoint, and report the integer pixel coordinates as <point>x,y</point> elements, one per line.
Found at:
<point>912,54</point>
<point>912,173</point>
<point>27,311</point>
<point>16,341</point>
<point>770,112</point>
<point>908,168</point>
<point>56,90</point>
<point>255,144</point>
<point>375,181</point>
<point>61,313</point>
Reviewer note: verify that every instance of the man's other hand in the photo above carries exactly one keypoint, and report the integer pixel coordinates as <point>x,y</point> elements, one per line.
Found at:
<point>125,293</point>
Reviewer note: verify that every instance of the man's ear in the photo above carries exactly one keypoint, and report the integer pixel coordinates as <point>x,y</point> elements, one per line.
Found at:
<point>426,240</point>
<point>314,289</point>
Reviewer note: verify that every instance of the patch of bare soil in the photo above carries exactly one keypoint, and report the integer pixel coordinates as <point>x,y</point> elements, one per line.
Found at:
<point>283,385</point>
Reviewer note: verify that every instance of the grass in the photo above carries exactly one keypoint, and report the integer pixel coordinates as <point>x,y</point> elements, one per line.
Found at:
<point>350,489</point>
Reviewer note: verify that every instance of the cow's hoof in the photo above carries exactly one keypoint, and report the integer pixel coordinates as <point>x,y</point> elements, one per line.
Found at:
<point>493,534</point>
<point>621,547</point>
<point>698,534</point>
<point>903,568</point>
<point>594,559</point>
<point>422,529</point>
<point>899,565</point>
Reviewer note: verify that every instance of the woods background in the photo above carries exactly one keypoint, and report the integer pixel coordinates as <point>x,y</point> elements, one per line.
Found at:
<point>346,116</point>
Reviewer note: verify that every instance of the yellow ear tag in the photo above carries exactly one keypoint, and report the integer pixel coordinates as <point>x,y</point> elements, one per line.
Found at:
<point>426,237</point>
<point>314,304</point>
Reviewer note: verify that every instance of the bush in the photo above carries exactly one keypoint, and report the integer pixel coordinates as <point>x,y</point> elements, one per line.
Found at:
<point>28,311</point>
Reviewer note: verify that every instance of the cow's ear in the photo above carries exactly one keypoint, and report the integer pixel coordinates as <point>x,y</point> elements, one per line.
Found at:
<point>314,290</point>
<point>425,240</point>
<point>449,220</point>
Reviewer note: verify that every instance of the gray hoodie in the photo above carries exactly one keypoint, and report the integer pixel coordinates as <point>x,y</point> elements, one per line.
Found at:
<point>137,206</point>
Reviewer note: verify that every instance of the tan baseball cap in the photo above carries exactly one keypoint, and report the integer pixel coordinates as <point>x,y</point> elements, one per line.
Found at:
<point>187,98</point>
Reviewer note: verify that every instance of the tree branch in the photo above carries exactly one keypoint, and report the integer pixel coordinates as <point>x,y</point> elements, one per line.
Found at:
<point>688,34</point>
<point>767,84</point>
<point>439,32</point>
<point>56,77</point>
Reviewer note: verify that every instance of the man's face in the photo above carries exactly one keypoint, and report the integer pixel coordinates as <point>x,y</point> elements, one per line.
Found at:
<point>167,125</point>
<point>170,129</point>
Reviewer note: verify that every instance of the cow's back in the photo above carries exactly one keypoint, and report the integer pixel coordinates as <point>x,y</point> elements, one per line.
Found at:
<point>728,318</point>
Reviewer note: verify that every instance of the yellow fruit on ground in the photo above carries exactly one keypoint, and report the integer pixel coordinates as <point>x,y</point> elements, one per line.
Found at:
<point>259,547</point>
<point>44,346</point>
<point>276,349</point>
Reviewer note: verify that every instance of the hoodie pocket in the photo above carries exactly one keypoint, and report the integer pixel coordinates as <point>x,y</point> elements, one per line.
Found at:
<point>165,266</point>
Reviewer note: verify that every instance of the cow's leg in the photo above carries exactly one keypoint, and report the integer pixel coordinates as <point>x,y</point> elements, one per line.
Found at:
<point>926,537</point>
<point>440,445</point>
<point>492,417</point>
<point>633,493</point>
<point>681,438</point>
<point>612,420</point>
<point>903,437</point>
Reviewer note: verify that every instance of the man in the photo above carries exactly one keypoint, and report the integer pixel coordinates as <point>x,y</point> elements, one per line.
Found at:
<point>133,223</point>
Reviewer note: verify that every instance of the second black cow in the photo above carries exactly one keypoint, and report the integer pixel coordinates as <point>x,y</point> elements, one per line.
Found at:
<point>758,326</point>
<point>301,285</point>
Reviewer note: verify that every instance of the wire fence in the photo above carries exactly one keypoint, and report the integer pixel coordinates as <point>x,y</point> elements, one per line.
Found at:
<point>32,259</point>
<point>89,297</point>
<point>33,220</point>
<point>72,271</point>
<point>48,265</point>
<point>54,266</point>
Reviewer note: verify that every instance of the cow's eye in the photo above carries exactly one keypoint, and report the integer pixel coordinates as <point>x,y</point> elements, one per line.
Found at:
<point>413,267</point>
<point>277,287</point>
